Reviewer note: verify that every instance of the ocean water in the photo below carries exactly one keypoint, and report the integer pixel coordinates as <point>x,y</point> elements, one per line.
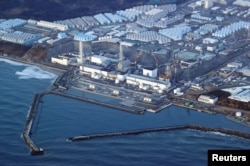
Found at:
<point>59,118</point>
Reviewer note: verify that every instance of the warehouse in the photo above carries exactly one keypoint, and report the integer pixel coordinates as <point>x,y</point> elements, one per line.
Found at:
<point>95,72</point>
<point>209,99</point>
<point>20,37</point>
<point>243,96</point>
<point>61,60</point>
<point>145,82</point>
<point>101,60</point>
<point>52,25</point>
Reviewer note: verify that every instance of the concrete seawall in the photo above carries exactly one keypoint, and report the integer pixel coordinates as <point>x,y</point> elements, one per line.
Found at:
<point>32,113</point>
<point>171,128</point>
<point>133,132</point>
<point>34,150</point>
<point>39,151</point>
<point>97,102</point>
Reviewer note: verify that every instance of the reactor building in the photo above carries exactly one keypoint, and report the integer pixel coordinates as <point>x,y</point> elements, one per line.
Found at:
<point>119,70</point>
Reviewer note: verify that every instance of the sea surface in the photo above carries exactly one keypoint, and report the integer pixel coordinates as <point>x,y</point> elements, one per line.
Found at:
<point>59,118</point>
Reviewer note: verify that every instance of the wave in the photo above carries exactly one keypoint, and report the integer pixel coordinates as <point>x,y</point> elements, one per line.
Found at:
<point>13,62</point>
<point>217,133</point>
<point>34,72</point>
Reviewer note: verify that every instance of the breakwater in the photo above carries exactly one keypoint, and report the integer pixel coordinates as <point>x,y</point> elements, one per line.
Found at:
<point>32,113</point>
<point>171,128</point>
<point>133,132</point>
<point>126,109</point>
<point>34,150</point>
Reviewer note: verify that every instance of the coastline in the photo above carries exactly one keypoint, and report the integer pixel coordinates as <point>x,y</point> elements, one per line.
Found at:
<point>47,67</point>
<point>60,71</point>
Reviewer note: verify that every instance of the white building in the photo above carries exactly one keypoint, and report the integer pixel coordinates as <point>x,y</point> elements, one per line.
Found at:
<point>187,64</point>
<point>234,65</point>
<point>150,72</point>
<point>245,3</point>
<point>52,25</point>
<point>95,72</point>
<point>209,41</point>
<point>208,4</point>
<point>245,71</point>
<point>98,72</point>
<point>208,99</point>
<point>211,47</point>
<point>145,82</point>
<point>101,60</point>
<point>61,60</point>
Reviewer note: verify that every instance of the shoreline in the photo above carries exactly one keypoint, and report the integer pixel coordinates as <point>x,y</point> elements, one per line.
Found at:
<point>59,72</point>
<point>50,68</point>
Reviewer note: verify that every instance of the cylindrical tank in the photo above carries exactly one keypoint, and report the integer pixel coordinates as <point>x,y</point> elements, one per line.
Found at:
<point>238,114</point>
<point>117,81</point>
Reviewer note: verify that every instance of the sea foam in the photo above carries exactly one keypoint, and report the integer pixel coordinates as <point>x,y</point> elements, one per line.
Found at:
<point>218,133</point>
<point>35,72</point>
<point>13,62</point>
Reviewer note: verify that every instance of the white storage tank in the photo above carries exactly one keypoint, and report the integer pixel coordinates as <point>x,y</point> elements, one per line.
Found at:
<point>160,91</point>
<point>117,81</point>
<point>238,114</point>
<point>91,86</point>
<point>116,92</point>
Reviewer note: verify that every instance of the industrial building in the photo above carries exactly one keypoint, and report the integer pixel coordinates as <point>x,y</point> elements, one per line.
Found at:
<point>145,83</point>
<point>208,57</point>
<point>148,36</point>
<point>130,15</point>
<point>209,41</point>
<point>134,28</point>
<point>102,19</point>
<point>98,72</point>
<point>43,39</point>
<point>63,60</point>
<point>245,71</point>
<point>164,22</point>
<point>205,3</point>
<point>245,3</point>
<point>51,25</point>
<point>230,29</point>
<point>243,96</point>
<point>192,36</point>
<point>187,55</point>
<point>84,37</point>
<point>224,2</point>
<point>209,99</point>
<point>234,65</point>
<point>150,72</point>
<point>11,23</point>
<point>115,18</point>
<point>206,28</point>
<point>20,37</point>
<point>101,60</point>
<point>175,33</point>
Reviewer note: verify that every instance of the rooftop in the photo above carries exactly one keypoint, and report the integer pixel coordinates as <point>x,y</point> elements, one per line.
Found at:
<point>243,96</point>
<point>187,55</point>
